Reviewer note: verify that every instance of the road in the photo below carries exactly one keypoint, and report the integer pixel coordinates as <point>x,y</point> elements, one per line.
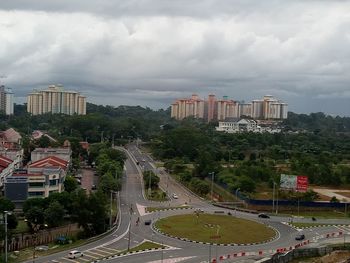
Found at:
<point>132,204</point>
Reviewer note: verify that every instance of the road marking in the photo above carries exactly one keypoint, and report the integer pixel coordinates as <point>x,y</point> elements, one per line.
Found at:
<point>112,249</point>
<point>103,251</point>
<point>84,259</point>
<point>71,260</point>
<point>94,253</point>
<point>89,255</point>
<point>171,260</point>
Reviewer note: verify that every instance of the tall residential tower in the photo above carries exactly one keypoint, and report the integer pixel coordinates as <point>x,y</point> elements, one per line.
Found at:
<point>56,100</point>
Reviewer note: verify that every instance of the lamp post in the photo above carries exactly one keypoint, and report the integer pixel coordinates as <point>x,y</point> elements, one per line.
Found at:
<point>149,185</point>
<point>35,227</point>
<point>212,185</point>
<point>273,197</point>
<point>236,193</point>
<point>6,213</point>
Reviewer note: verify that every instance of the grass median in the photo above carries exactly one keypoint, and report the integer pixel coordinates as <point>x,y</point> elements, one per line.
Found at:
<point>220,229</point>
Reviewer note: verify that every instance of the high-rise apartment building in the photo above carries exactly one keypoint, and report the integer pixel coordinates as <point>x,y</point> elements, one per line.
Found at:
<point>6,100</point>
<point>268,108</point>
<point>183,108</point>
<point>56,100</point>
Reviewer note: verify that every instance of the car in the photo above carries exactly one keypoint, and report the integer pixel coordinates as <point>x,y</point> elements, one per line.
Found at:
<point>262,215</point>
<point>300,237</point>
<point>148,222</point>
<point>175,196</point>
<point>75,254</point>
<point>199,210</point>
<point>93,187</point>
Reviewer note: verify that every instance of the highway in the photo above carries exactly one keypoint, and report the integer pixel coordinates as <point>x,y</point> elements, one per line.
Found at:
<point>132,204</point>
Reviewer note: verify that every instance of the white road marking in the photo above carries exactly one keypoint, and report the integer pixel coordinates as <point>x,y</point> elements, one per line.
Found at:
<point>112,249</point>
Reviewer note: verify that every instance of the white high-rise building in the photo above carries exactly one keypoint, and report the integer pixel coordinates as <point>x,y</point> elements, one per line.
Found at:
<point>6,100</point>
<point>56,100</point>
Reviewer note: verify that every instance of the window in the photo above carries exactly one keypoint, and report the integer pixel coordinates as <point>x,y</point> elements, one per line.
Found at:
<point>53,182</point>
<point>34,194</point>
<point>36,185</point>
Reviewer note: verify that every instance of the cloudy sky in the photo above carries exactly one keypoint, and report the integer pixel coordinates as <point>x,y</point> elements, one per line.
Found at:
<point>150,52</point>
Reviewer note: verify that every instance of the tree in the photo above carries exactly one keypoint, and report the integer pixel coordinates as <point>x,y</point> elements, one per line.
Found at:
<point>70,184</point>
<point>108,183</point>
<point>35,216</point>
<point>54,214</point>
<point>147,175</point>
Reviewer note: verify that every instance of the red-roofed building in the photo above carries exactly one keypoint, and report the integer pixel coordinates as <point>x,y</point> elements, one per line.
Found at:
<point>10,139</point>
<point>50,161</point>
<point>7,166</point>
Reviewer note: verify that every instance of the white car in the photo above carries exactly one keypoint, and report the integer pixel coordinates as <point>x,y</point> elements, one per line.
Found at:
<point>75,254</point>
<point>175,196</point>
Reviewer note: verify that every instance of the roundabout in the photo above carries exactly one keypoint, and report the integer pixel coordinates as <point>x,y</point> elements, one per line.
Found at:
<point>217,229</point>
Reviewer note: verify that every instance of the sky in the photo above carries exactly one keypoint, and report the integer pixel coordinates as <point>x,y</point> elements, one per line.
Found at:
<point>151,52</point>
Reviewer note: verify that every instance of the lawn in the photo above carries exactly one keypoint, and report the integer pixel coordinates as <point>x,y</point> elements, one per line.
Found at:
<point>215,228</point>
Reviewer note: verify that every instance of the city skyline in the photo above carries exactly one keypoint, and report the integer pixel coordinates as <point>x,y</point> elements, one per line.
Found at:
<point>151,52</point>
<point>220,109</point>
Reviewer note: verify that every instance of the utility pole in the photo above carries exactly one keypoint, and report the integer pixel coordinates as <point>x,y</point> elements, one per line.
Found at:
<point>212,185</point>
<point>110,213</point>
<point>273,197</point>
<point>6,246</point>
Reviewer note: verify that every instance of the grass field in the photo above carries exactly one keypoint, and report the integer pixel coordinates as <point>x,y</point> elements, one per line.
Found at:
<point>215,229</point>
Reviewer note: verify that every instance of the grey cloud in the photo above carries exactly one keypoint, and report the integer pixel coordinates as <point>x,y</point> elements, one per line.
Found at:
<point>151,52</point>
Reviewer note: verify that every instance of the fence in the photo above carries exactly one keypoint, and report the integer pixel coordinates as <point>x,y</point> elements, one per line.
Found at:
<point>20,241</point>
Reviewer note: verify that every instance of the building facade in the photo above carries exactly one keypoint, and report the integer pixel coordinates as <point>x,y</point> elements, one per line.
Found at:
<point>56,100</point>
<point>213,109</point>
<point>6,100</point>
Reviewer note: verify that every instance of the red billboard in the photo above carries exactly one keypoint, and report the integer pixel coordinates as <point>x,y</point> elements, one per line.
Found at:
<point>302,183</point>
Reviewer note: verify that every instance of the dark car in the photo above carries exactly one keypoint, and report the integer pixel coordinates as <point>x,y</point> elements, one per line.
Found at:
<point>300,237</point>
<point>263,215</point>
<point>148,222</point>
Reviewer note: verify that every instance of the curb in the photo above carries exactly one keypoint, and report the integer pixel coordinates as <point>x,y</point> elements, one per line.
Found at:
<point>215,244</point>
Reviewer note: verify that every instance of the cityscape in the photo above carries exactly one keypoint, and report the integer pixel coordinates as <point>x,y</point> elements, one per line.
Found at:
<point>174,131</point>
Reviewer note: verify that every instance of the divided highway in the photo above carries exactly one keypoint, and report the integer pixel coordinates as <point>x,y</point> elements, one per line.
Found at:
<point>132,200</point>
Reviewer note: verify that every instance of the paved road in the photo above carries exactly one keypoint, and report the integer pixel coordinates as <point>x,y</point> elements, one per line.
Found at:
<point>132,196</point>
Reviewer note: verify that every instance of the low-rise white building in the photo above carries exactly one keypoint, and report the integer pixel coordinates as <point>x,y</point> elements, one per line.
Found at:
<point>245,125</point>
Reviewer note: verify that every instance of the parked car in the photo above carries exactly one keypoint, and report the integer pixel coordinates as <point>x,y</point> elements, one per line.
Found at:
<point>300,237</point>
<point>75,254</point>
<point>93,187</point>
<point>175,196</point>
<point>262,215</point>
<point>148,222</point>
<point>199,210</point>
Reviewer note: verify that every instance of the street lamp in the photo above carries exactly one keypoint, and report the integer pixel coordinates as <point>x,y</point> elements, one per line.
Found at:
<point>110,212</point>
<point>6,213</point>
<point>212,185</point>
<point>236,194</point>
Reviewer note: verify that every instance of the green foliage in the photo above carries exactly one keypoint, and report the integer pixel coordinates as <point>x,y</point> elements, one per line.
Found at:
<point>150,177</point>
<point>70,184</point>
<point>334,200</point>
<point>199,186</point>
<point>54,214</point>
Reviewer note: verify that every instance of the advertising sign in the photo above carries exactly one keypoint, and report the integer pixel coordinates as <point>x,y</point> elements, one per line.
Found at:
<point>302,183</point>
<point>294,182</point>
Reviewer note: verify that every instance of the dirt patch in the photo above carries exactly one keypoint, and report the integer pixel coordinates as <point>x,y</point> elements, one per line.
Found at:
<point>346,194</point>
<point>335,256</point>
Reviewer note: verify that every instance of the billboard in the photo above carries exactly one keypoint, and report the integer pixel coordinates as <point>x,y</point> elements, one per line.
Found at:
<point>297,183</point>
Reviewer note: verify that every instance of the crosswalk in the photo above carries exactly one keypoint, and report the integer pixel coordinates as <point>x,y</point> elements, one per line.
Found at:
<point>89,255</point>
<point>344,228</point>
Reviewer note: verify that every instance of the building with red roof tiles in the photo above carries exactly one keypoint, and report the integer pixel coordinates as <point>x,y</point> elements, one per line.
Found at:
<point>64,153</point>
<point>10,139</point>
